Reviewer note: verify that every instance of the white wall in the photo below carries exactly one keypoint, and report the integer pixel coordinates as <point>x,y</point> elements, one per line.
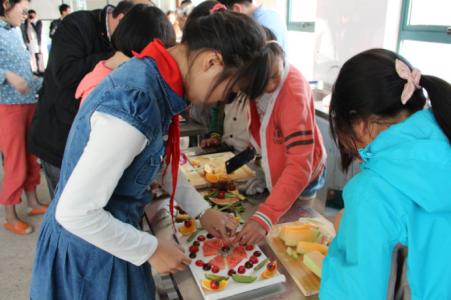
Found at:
<point>46,9</point>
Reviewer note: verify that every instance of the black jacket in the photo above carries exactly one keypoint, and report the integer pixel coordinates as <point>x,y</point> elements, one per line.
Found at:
<point>54,26</point>
<point>37,28</point>
<point>79,44</point>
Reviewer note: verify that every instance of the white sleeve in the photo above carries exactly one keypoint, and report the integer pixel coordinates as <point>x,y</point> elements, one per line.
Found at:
<point>111,148</point>
<point>186,195</point>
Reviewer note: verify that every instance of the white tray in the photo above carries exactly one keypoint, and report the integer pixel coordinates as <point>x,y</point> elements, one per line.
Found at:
<point>233,288</point>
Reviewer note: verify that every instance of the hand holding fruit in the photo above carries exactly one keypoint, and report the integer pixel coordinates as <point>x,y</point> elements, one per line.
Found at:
<point>169,257</point>
<point>251,234</point>
<point>219,224</point>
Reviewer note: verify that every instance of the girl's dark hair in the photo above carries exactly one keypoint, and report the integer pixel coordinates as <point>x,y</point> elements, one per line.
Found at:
<point>201,10</point>
<point>139,27</point>
<point>230,3</point>
<point>242,44</point>
<point>270,36</point>
<point>122,7</point>
<point>368,85</point>
<point>63,7</point>
<point>11,3</point>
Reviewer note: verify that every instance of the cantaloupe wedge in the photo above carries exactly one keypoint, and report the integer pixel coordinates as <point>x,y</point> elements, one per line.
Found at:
<point>293,234</point>
<point>314,262</point>
<point>305,247</point>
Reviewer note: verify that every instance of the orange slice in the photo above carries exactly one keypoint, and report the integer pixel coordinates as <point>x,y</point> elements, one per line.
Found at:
<point>206,284</point>
<point>188,231</point>
<point>268,274</point>
<point>212,178</point>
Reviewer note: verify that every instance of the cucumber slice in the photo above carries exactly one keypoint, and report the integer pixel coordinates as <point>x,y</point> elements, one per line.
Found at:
<point>216,277</point>
<point>261,265</point>
<point>244,278</point>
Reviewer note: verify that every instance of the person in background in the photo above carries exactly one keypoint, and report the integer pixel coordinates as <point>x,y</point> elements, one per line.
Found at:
<point>172,16</point>
<point>139,27</point>
<point>83,41</point>
<point>380,116</point>
<point>265,17</point>
<point>32,31</point>
<point>284,132</point>
<point>115,150</point>
<point>183,12</point>
<point>64,11</point>
<point>18,90</point>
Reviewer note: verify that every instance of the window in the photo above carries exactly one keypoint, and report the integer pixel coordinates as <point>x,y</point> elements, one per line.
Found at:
<point>301,15</point>
<point>425,36</point>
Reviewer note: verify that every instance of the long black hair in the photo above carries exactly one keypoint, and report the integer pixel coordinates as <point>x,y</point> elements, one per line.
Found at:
<point>240,41</point>
<point>139,27</point>
<point>368,85</point>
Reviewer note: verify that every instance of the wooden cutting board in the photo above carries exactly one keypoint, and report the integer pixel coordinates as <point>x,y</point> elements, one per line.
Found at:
<point>307,282</point>
<point>194,169</point>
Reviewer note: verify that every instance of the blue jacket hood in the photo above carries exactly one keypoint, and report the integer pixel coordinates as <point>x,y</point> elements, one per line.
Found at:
<point>415,157</point>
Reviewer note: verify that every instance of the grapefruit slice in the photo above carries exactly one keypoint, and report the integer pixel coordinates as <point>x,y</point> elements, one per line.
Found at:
<point>212,247</point>
<point>218,261</point>
<point>237,255</point>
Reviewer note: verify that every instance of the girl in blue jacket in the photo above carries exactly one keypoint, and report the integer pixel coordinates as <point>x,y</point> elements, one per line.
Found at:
<point>402,196</point>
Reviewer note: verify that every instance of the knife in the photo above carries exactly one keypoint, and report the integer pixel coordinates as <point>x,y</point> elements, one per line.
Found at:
<point>240,160</point>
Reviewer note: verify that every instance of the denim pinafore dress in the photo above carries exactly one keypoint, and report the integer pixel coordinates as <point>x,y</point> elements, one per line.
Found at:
<point>142,93</point>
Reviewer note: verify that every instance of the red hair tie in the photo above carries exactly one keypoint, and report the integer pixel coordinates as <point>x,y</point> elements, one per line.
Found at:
<point>217,7</point>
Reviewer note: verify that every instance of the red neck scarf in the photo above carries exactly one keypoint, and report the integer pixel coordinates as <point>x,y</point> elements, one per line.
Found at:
<point>171,74</point>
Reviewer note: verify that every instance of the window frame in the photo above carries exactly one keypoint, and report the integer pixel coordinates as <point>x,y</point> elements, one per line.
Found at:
<point>298,26</point>
<point>421,33</point>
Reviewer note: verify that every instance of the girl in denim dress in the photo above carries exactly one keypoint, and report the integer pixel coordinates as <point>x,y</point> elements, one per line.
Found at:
<point>90,245</point>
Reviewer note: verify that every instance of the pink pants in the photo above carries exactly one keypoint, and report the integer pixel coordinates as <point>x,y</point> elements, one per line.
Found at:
<point>21,170</point>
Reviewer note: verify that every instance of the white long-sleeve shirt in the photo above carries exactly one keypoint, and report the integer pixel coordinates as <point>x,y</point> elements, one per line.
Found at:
<point>111,148</point>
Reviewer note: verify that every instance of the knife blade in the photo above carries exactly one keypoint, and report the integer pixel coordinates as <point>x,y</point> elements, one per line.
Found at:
<point>240,160</point>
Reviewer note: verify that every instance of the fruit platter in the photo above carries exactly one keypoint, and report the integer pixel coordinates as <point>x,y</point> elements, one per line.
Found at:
<point>223,270</point>
<point>301,247</point>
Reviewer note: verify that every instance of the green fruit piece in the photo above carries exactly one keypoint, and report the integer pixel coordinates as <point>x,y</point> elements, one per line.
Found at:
<point>216,277</point>
<point>295,255</point>
<point>261,265</point>
<point>193,236</point>
<point>289,251</point>
<point>244,278</point>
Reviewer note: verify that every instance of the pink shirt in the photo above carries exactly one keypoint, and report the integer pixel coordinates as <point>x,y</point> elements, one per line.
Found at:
<point>91,80</point>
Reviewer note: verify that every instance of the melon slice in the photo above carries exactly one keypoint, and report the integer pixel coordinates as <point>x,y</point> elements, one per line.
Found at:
<point>314,262</point>
<point>293,234</point>
<point>305,247</point>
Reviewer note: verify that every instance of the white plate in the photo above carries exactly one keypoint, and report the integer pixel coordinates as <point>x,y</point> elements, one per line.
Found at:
<point>233,288</point>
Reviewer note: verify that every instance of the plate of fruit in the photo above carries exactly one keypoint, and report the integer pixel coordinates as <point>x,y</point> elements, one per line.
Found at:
<point>223,270</point>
